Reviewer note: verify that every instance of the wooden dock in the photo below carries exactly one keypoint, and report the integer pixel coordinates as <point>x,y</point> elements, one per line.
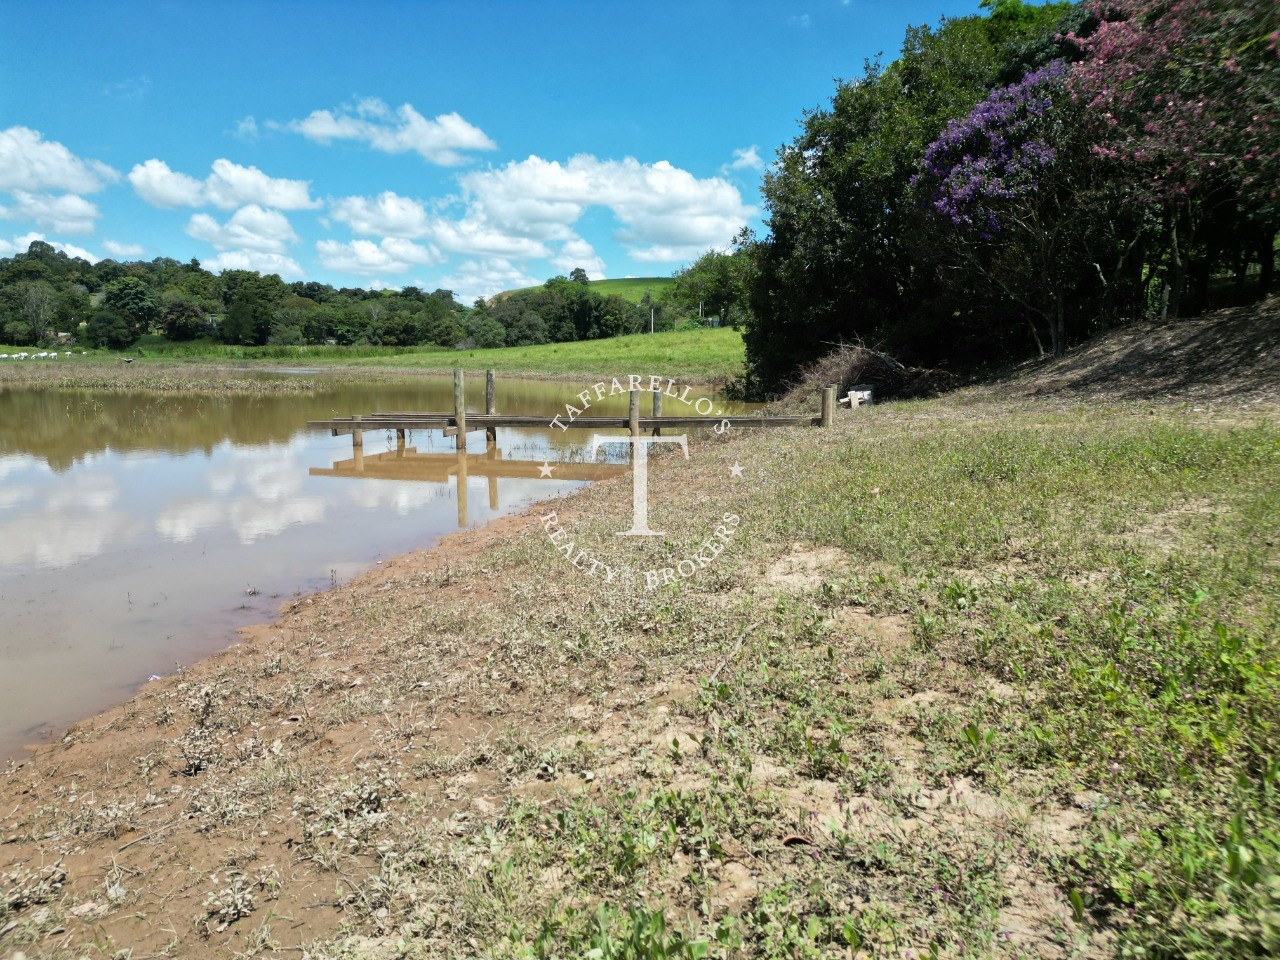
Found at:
<point>406,463</point>
<point>458,422</point>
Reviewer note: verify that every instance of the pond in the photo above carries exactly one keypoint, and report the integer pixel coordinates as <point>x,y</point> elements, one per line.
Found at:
<point>138,530</point>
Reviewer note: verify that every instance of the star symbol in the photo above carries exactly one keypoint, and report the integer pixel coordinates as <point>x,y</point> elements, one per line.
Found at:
<point>736,469</point>
<point>545,469</point>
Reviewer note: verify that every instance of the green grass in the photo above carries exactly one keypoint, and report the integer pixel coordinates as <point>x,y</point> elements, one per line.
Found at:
<point>698,355</point>
<point>703,355</point>
<point>157,347</point>
<point>629,288</point>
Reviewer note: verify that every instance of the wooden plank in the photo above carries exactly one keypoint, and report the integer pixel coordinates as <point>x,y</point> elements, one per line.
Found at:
<point>444,421</point>
<point>439,467</point>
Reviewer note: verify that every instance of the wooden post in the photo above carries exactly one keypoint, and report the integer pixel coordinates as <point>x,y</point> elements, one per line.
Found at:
<point>493,454</point>
<point>460,482</point>
<point>357,445</point>
<point>460,409</point>
<point>400,441</point>
<point>633,413</point>
<point>828,405</point>
<point>490,404</point>
<point>657,411</point>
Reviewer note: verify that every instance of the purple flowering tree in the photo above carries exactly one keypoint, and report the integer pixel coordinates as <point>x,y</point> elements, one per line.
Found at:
<point>1001,185</point>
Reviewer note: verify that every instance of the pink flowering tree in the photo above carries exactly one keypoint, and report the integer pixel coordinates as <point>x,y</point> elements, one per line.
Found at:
<point>1183,98</point>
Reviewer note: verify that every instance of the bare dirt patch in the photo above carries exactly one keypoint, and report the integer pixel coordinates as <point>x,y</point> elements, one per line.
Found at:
<point>805,568</point>
<point>1228,355</point>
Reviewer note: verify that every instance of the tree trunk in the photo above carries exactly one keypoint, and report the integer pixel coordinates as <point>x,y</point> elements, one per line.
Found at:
<point>1268,257</point>
<point>1035,335</point>
<point>1179,278</point>
<point>1241,271</point>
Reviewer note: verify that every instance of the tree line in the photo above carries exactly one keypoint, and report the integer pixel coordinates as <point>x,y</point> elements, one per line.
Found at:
<point>47,296</point>
<point>1017,181</point>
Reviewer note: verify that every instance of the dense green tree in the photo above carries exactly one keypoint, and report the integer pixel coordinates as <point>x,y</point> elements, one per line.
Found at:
<point>111,330</point>
<point>132,300</point>
<point>715,285</point>
<point>38,303</point>
<point>443,330</point>
<point>484,331</point>
<point>252,308</point>
<point>183,320</point>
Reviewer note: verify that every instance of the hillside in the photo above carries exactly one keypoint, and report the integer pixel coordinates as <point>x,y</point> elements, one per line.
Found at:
<point>1231,354</point>
<point>629,288</point>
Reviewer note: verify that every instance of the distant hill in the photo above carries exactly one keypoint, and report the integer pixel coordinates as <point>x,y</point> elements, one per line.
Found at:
<point>629,288</point>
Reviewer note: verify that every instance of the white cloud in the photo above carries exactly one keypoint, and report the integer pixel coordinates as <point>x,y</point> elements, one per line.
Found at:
<point>475,238</point>
<point>247,129</point>
<point>364,258</point>
<point>484,278</point>
<point>9,248</point>
<point>746,158</point>
<point>250,228</point>
<point>386,215</point>
<point>230,185</point>
<point>123,249</point>
<point>441,141</point>
<point>159,186</point>
<point>66,213</point>
<point>29,162</point>
<point>579,253</point>
<point>666,213</point>
<point>264,263</point>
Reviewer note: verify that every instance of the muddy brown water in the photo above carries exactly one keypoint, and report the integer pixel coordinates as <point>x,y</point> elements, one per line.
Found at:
<point>138,530</point>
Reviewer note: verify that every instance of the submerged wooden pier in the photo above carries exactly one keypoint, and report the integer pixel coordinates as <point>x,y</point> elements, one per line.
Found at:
<point>458,422</point>
<point>406,463</point>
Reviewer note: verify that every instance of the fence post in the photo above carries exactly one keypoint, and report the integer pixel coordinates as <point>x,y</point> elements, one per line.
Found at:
<point>490,403</point>
<point>657,412</point>
<point>828,405</point>
<point>633,413</point>
<point>460,409</point>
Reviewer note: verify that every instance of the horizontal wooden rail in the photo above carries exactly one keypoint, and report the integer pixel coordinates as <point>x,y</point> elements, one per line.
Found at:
<point>480,421</point>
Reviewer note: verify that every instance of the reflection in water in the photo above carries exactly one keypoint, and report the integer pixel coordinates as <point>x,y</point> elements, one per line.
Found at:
<point>406,463</point>
<point>136,530</point>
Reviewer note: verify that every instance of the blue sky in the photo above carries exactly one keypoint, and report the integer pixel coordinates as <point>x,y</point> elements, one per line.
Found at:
<point>474,146</point>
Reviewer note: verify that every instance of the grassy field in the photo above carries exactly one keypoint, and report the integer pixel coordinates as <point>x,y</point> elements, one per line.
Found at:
<point>699,355</point>
<point>703,355</point>
<point>974,679</point>
<point>629,288</point>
